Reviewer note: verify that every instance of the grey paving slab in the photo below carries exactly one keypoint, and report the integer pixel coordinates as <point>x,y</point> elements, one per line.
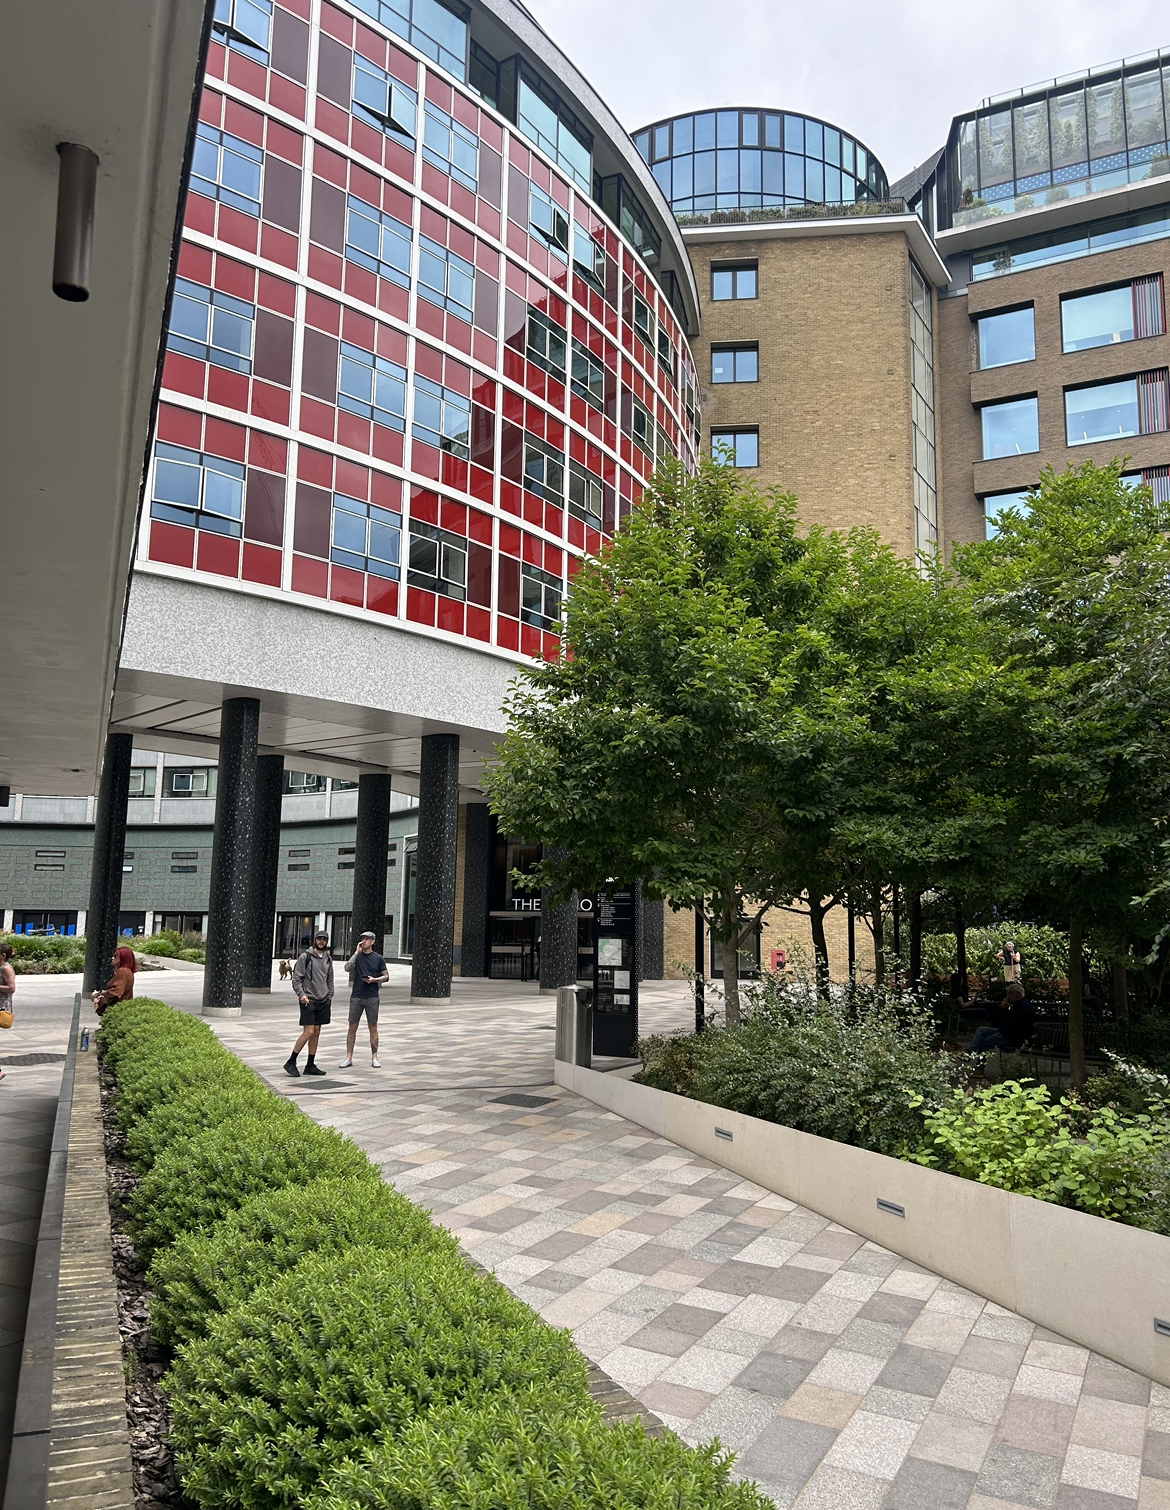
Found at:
<point>844,1377</point>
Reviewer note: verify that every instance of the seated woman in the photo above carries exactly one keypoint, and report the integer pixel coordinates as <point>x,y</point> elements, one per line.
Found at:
<point>1011,1024</point>
<point>120,986</point>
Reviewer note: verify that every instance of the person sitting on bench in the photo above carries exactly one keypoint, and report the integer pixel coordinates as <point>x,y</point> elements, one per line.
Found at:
<point>1011,1024</point>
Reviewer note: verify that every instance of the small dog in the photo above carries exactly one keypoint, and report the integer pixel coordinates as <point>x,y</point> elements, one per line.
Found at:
<point>285,969</point>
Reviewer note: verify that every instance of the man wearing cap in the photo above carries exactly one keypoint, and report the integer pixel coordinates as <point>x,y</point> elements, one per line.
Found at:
<point>312,983</point>
<point>367,970</point>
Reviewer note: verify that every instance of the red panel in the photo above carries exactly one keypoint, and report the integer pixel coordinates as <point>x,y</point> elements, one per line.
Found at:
<point>458,334</point>
<point>286,96</point>
<point>552,560</point>
<point>246,75</point>
<point>462,201</point>
<point>382,596</point>
<point>278,246</point>
<point>454,473</point>
<point>532,549</point>
<point>424,460</point>
<point>510,498</point>
<point>450,616</point>
<point>315,467</point>
<point>332,121</point>
<point>435,184</point>
<point>309,576</point>
<point>270,403</point>
<point>337,24</point>
<point>424,505</point>
<point>171,543</point>
<point>277,294</point>
<point>529,640</point>
<point>211,107</point>
<point>402,66</point>
<point>533,510</point>
<point>483,348</point>
<point>317,418</point>
<point>576,533</point>
<point>224,439</point>
<point>353,431</point>
<point>554,520</point>
<point>550,647</point>
<point>392,300</point>
<point>392,345</point>
<point>387,445</point>
<point>324,314</point>
<point>352,479</point>
<point>479,624</point>
<point>420,606</point>
<point>180,426</point>
<point>508,633</point>
<point>357,329</point>
<point>245,123</point>
<point>237,228</point>
<point>216,59</point>
<point>453,517</point>
<point>438,92</point>
<point>218,554</point>
<point>227,388</point>
<point>481,484</point>
<point>386,492</point>
<point>429,319</point>
<point>592,541</point>
<point>285,143</point>
<point>267,451</point>
<point>194,263</point>
<point>510,538</point>
<point>487,218</point>
<point>261,565</point>
<point>360,283</point>
<point>346,586</point>
<point>398,161</point>
<point>479,527</point>
<point>183,374</point>
<point>366,140</point>
<point>325,267</point>
<point>370,45</point>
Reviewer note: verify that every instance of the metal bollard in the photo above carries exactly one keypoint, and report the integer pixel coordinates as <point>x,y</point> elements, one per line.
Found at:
<point>574,1042</point>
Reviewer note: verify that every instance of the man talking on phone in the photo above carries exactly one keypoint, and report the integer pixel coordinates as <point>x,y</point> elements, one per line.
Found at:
<point>367,970</point>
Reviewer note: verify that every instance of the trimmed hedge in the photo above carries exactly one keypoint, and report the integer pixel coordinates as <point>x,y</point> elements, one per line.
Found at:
<point>205,1273</point>
<point>334,1348</point>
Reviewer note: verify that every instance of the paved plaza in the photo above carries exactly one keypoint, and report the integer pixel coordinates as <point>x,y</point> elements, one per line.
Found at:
<point>844,1377</point>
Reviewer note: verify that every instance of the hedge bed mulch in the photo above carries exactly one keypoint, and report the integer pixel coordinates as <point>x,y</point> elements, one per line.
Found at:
<point>299,1334</point>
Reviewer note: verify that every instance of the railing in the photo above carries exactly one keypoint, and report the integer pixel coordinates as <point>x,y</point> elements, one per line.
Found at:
<point>774,213</point>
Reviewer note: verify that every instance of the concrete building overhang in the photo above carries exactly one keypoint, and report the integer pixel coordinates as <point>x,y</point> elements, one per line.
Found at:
<point>339,693</point>
<point>924,251</point>
<point>79,379</point>
<point>1054,217</point>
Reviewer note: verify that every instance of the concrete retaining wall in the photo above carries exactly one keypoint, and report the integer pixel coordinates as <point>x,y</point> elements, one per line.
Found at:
<point>1098,1283</point>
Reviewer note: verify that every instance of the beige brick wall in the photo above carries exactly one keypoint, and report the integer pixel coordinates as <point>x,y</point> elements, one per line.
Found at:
<point>960,386</point>
<point>833,399</point>
<point>781,929</point>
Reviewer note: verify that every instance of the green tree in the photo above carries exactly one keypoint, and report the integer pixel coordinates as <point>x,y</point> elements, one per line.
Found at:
<point>1073,595</point>
<point>684,737</point>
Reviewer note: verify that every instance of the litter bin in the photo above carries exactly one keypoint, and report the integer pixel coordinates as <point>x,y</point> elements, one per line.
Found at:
<point>575,1025</point>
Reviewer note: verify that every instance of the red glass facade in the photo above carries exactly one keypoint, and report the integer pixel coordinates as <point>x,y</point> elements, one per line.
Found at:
<point>515,397</point>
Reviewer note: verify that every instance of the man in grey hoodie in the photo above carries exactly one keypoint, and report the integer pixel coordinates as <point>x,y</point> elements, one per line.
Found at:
<point>312,983</point>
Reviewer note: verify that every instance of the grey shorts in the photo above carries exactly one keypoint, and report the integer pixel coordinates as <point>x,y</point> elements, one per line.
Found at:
<point>366,1004</point>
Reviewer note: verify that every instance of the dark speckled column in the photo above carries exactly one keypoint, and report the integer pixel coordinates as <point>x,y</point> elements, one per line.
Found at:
<point>264,869</point>
<point>478,835</point>
<point>109,848</point>
<point>231,854</point>
<point>558,941</point>
<point>653,940</point>
<point>438,834</point>
<point>369,859</point>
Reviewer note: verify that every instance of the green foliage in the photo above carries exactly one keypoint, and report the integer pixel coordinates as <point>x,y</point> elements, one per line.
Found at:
<point>1043,950</point>
<point>195,1184</point>
<point>1015,1137</point>
<point>169,944</point>
<point>205,1103</point>
<point>342,1350</point>
<point>846,1068</point>
<point>43,955</point>
<point>501,1457</point>
<point>203,1274</point>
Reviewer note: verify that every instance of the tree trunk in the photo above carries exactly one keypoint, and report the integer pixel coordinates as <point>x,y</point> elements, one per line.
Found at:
<point>1076,1015</point>
<point>879,942</point>
<point>961,951</point>
<point>896,929</point>
<point>731,962</point>
<point>1120,985</point>
<point>816,918</point>
<point>916,941</point>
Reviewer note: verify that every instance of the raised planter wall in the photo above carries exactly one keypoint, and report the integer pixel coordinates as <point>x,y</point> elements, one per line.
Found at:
<point>1098,1283</point>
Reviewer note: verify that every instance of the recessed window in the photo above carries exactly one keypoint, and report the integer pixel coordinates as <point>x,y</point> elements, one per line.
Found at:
<point>450,147</point>
<point>298,854</point>
<point>48,867</point>
<point>210,326</point>
<point>585,495</point>
<point>439,31</point>
<point>1106,411</point>
<point>643,318</point>
<point>545,344</point>
<point>371,386</point>
<point>548,222</point>
<point>49,854</point>
<point>341,865</point>
<point>1007,337</point>
<point>588,258</point>
<point>736,448</point>
<point>299,866</point>
<point>1011,429</point>
<point>382,101</point>
<point>297,783</point>
<point>197,781</point>
<point>735,364</point>
<point>588,376</point>
<point>227,168</point>
<point>540,598</point>
<point>245,25</point>
<point>1108,316</point>
<point>365,538</point>
<point>184,854</point>
<point>347,849</point>
<point>733,281</point>
<point>445,279</point>
<point>197,490</point>
<point>995,504</point>
<point>142,779</point>
<point>442,418</point>
<point>545,119</point>
<point>438,561</point>
<point>544,470</point>
<point>184,870</point>
<point>377,242</point>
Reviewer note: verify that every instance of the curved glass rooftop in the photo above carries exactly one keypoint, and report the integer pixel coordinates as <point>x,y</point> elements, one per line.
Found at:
<point>749,159</point>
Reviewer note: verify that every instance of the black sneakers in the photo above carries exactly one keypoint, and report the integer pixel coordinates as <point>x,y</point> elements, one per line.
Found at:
<point>290,1065</point>
<point>313,1069</point>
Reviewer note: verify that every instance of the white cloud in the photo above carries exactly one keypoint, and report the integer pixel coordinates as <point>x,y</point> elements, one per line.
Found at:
<point>892,74</point>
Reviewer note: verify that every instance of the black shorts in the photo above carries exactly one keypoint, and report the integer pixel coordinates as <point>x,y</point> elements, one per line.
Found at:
<point>316,1014</point>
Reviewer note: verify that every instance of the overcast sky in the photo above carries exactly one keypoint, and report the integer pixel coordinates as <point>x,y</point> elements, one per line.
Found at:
<point>892,72</point>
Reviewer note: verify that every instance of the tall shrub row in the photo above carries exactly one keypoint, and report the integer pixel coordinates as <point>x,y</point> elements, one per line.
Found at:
<point>332,1347</point>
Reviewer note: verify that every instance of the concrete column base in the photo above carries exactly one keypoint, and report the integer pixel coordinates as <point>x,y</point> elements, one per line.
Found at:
<point>223,1011</point>
<point>549,990</point>
<point>430,1001</point>
<point>256,990</point>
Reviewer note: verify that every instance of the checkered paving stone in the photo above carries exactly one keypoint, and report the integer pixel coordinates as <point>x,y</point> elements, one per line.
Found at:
<point>844,1377</point>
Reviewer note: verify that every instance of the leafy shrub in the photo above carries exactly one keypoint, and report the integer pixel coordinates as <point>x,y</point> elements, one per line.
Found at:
<point>1015,1137</point>
<point>341,1351</point>
<point>844,1069</point>
<point>202,1105</point>
<point>204,1273</point>
<point>167,944</point>
<point>1043,951</point>
<point>501,1457</point>
<point>194,1185</point>
<point>37,954</point>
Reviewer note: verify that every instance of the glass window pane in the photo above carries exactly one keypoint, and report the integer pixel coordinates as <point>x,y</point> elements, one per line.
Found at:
<point>968,158</point>
<point>175,482</point>
<point>704,132</point>
<point>1010,429</point>
<point>814,139</point>
<point>996,504</point>
<point>349,531</point>
<point>747,449</point>
<point>424,555</point>
<point>771,131</point>
<point>793,176</point>
<point>1066,118</point>
<point>223,495</point>
<point>682,178</point>
<point>814,180</point>
<point>1106,122</point>
<point>728,128</point>
<point>189,317</point>
<point>232,333</point>
<point>749,172</point>
<point>683,136</point>
<point>383,543</point>
<point>745,283</point>
<point>704,172</point>
<point>1097,319</point>
<point>1102,413</point>
<point>1143,109</point>
<point>722,284</point>
<point>793,133</point>
<point>750,124</point>
<point>773,181</point>
<point>1031,133</point>
<point>1007,338</point>
<point>727,180</point>
<point>745,365</point>
<point>995,148</point>
<point>723,366</point>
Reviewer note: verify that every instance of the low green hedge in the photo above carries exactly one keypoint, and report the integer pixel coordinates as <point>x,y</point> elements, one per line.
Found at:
<point>203,1274</point>
<point>334,1350</point>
